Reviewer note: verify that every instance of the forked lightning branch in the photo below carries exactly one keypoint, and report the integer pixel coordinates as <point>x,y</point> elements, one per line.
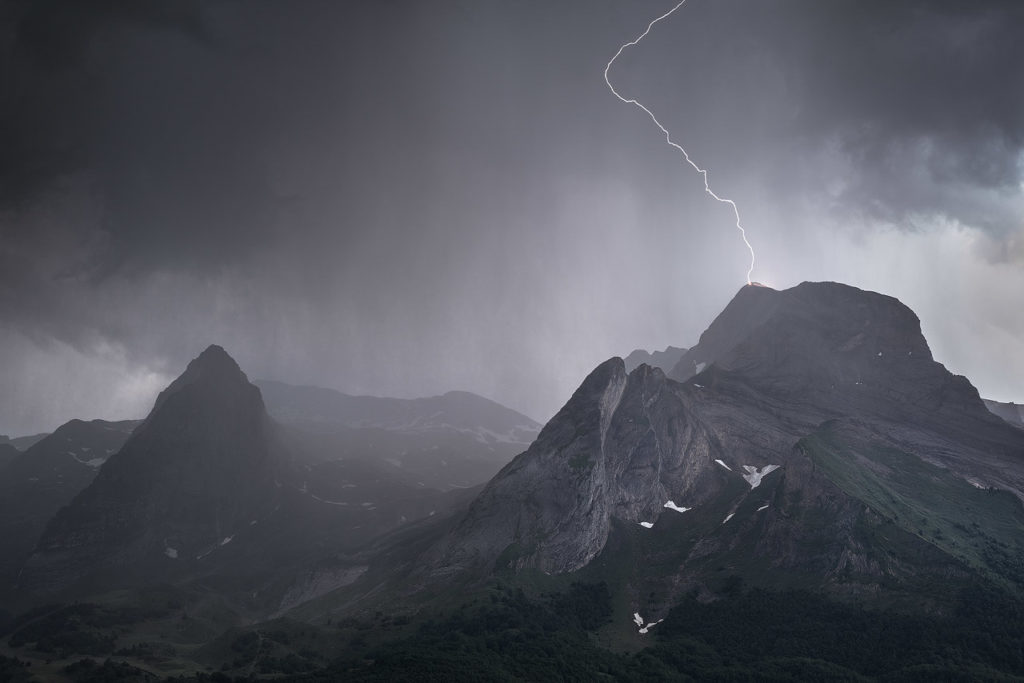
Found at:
<point>668,136</point>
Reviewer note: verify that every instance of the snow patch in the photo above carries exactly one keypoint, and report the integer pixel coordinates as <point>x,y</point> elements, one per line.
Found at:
<point>324,500</point>
<point>672,506</point>
<point>171,553</point>
<point>728,517</point>
<point>700,367</point>
<point>653,623</point>
<point>755,475</point>
<point>487,436</point>
<point>723,464</point>
<point>227,540</point>
<point>647,525</point>
<point>639,621</point>
<point>91,462</point>
<point>763,507</point>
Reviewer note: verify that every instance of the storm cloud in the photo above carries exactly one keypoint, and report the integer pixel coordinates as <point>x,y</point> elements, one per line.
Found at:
<point>405,198</point>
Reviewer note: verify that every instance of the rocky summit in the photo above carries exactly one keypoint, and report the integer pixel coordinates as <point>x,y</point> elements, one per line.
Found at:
<point>805,427</point>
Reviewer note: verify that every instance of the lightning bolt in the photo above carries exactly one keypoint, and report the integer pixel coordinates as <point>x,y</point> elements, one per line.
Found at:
<point>668,136</point>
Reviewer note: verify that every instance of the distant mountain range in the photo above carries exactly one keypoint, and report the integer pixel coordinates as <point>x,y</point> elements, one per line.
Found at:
<point>1011,412</point>
<point>666,360</point>
<point>22,442</point>
<point>444,442</point>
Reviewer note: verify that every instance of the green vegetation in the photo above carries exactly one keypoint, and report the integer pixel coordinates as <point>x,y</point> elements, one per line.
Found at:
<point>507,637</point>
<point>88,671</point>
<point>755,635</point>
<point>983,528</point>
<point>505,634</point>
<point>82,628</point>
<point>761,631</point>
<point>14,670</point>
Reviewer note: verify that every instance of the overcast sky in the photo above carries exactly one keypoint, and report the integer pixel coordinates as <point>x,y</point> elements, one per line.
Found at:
<point>404,198</point>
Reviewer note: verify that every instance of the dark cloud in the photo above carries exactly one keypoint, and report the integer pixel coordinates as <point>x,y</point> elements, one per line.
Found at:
<point>408,197</point>
<point>916,99</point>
<point>52,94</point>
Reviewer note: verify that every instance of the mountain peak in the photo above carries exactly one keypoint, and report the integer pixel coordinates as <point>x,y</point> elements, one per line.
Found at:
<point>215,354</point>
<point>831,319</point>
<point>776,380</point>
<point>214,360</point>
<point>214,367</point>
<point>200,468</point>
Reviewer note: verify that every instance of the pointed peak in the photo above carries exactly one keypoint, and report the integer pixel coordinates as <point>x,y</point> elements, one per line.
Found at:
<point>213,366</point>
<point>213,362</point>
<point>215,356</point>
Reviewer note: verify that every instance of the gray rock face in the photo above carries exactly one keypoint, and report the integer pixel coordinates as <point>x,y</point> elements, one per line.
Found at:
<point>622,448</point>
<point>769,372</point>
<point>199,469</point>
<point>829,351</point>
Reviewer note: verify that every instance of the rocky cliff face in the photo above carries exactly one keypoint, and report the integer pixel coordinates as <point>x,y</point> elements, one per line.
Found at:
<point>200,468</point>
<point>752,433</point>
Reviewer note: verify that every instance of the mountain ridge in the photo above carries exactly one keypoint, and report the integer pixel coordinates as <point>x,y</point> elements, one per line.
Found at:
<point>636,448</point>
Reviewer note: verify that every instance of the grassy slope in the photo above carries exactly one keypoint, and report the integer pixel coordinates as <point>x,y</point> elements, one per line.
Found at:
<point>983,528</point>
